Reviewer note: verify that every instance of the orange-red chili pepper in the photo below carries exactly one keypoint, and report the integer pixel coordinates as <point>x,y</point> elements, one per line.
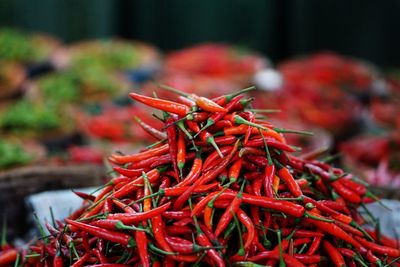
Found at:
<point>287,177</point>
<point>140,156</point>
<point>165,105</point>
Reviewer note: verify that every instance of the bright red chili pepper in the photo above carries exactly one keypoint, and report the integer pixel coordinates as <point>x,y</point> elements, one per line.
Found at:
<point>165,105</point>
<point>287,177</point>
<point>268,177</point>
<point>345,192</point>
<point>334,254</point>
<point>381,250</point>
<point>139,216</point>
<point>228,214</point>
<point>141,155</point>
<point>109,235</point>
<point>334,230</point>
<point>141,243</point>
<point>7,257</point>
<point>181,152</point>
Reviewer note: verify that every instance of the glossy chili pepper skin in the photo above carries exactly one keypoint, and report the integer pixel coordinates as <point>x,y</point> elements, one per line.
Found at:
<point>165,105</point>
<point>334,254</point>
<point>112,236</point>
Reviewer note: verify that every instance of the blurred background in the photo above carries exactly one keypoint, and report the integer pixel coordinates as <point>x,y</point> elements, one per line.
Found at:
<point>66,68</point>
<point>280,29</point>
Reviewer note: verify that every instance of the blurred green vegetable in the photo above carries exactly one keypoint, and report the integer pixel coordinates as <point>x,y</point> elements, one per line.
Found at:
<point>13,154</point>
<point>25,115</point>
<point>109,55</point>
<point>60,87</point>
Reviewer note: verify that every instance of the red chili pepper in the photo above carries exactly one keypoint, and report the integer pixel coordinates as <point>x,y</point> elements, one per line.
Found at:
<point>287,177</point>
<point>159,236</point>
<point>194,172</point>
<point>212,253</point>
<point>82,260</point>
<point>140,216</point>
<point>381,250</point>
<point>165,105</point>
<point>309,259</point>
<point>259,142</point>
<point>141,243</point>
<point>257,184</point>
<point>150,130</point>
<point>354,186</point>
<point>109,235</point>
<point>213,157</point>
<point>181,153</point>
<point>334,254</point>
<point>246,221</point>
<point>157,151</point>
<point>334,230</point>
<point>205,178</point>
<point>207,104</point>
<point>268,177</point>
<point>373,259</point>
<point>234,170</point>
<point>314,245</point>
<point>173,148</point>
<point>228,214</point>
<point>7,257</point>
<point>137,183</point>
<point>186,101</point>
<point>346,193</point>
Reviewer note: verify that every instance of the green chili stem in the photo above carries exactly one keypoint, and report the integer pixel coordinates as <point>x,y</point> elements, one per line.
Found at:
<point>281,261</point>
<point>241,248</point>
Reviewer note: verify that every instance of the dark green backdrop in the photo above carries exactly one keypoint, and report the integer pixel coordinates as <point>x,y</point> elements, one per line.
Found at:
<point>368,29</point>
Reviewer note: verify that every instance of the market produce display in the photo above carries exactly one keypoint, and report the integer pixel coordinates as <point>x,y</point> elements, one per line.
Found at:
<point>325,90</point>
<point>221,187</point>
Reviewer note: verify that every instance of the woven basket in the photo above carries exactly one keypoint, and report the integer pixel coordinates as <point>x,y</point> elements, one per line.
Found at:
<point>16,184</point>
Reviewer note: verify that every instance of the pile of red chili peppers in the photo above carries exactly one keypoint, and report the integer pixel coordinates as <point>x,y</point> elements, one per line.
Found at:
<point>219,188</point>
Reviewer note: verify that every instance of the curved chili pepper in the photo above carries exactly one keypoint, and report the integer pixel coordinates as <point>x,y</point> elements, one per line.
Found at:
<point>213,157</point>
<point>228,214</point>
<point>258,142</point>
<point>345,192</point>
<point>381,250</point>
<point>206,177</point>
<point>140,156</point>
<point>138,182</point>
<point>109,235</point>
<point>165,105</point>
<point>82,260</point>
<point>287,177</point>
<point>7,257</point>
<point>214,118</point>
<point>334,230</point>
<point>140,216</point>
<point>288,207</point>
<point>194,172</point>
<point>129,172</point>
<point>246,221</point>
<point>334,254</point>
<point>150,130</point>
<point>354,186</point>
<point>159,236</point>
<point>234,170</point>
